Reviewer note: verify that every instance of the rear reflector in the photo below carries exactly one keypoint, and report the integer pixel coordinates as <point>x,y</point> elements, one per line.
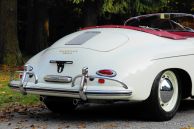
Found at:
<point>20,75</point>
<point>106,73</point>
<point>101,81</point>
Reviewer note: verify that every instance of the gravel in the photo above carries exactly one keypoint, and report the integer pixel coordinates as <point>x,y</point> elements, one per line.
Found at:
<point>96,116</point>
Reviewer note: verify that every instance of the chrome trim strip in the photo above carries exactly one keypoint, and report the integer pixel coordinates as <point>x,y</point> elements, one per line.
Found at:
<point>108,92</point>
<point>173,56</point>
<point>106,78</point>
<point>91,92</point>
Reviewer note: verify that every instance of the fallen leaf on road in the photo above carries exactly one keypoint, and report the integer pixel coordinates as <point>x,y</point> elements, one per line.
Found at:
<point>127,125</point>
<point>67,126</point>
<point>2,115</point>
<point>19,122</point>
<point>82,125</point>
<point>32,126</point>
<point>189,127</point>
<point>112,125</point>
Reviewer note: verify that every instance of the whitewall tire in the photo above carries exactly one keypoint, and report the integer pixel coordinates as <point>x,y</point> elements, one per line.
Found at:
<point>165,96</point>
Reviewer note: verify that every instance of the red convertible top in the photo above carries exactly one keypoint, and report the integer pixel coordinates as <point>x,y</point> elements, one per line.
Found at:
<point>160,33</point>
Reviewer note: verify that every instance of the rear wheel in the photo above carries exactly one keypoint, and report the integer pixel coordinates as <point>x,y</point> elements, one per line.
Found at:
<point>59,104</point>
<point>165,96</point>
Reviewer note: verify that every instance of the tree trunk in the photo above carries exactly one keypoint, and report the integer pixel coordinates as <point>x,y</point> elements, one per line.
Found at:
<point>9,46</point>
<point>91,12</point>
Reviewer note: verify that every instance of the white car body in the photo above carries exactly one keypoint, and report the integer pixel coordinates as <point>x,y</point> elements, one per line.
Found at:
<point>137,58</point>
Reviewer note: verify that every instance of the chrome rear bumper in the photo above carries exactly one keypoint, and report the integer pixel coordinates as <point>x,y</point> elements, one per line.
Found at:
<point>83,92</point>
<point>91,94</point>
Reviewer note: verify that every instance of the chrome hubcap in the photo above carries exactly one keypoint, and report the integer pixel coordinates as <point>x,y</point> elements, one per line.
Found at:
<point>168,90</point>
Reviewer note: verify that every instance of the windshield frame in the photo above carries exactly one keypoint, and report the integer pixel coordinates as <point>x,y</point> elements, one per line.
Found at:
<point>135,21</point>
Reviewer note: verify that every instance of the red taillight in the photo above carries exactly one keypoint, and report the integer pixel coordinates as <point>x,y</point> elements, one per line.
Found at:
<point>20,75</point>
<point>106,73</point>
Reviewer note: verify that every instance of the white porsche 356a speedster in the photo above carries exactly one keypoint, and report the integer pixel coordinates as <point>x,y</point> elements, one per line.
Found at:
<point>149,58</point>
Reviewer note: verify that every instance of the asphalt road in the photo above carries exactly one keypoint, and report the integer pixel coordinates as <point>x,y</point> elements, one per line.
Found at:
<point>94,116</point>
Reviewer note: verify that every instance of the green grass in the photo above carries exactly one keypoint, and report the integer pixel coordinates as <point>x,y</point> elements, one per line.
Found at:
<point>9,96</point>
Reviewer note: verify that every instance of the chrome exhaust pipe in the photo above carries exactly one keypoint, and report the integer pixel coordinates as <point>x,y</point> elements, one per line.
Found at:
<point>42,98</point>
<point>76,101</point>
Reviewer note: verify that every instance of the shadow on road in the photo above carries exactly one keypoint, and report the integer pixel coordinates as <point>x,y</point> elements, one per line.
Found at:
<point>99,112</point>
<point>92,112</point>
<point>186,105</point>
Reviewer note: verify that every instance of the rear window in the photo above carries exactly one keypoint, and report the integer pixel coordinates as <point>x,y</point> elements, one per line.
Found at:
<point>82,38</point>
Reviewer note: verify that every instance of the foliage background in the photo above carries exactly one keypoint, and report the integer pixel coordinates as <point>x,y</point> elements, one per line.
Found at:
<point>29,26</point>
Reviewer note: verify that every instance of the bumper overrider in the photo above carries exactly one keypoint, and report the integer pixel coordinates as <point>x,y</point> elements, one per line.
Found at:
<point>82,92</point>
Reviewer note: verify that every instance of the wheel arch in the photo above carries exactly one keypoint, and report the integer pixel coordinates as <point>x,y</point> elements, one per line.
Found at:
<point>185,80</point>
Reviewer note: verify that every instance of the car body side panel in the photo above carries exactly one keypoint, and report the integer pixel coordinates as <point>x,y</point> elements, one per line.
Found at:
<point>137,62</point>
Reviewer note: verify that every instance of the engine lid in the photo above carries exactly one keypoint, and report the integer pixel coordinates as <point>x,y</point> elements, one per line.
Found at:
<point>98,40</point>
